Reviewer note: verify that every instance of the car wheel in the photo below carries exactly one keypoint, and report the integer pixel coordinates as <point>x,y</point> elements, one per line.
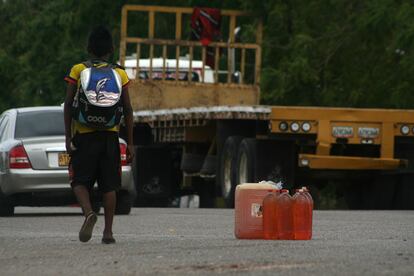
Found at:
<point>123,203</point>
<point>6,208</point>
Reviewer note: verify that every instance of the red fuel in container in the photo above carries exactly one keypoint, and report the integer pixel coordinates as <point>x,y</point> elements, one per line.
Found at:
<point>301,216</point>
<point>284,215</point>
<point>269,215</point>
<point>306,191</point>
<point>249,210</point>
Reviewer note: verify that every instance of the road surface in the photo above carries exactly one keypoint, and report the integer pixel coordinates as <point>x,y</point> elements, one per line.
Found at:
<point>44,241</point>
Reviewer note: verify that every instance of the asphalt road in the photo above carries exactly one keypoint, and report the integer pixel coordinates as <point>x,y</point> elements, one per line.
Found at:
<point>44,241</point>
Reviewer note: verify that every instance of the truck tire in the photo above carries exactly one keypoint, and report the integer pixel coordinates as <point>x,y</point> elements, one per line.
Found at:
<point>246,157</point>
<point>270,160</point>
<point>228,161</point>
<point>123,203</point>
<point>192,163</point>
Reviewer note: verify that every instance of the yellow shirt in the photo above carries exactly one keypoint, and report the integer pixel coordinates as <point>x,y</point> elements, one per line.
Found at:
<point>74,78</point>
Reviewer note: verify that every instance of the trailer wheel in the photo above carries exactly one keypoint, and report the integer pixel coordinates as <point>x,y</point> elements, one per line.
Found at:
<point>228,161</point>
<point>245,169</point>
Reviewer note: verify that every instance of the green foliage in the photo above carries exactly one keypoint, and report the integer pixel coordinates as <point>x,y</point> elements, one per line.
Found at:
<point>338,53</point>
<point>323,52</point>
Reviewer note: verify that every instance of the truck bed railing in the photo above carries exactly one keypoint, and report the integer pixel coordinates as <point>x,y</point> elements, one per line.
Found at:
<point>248,55</point>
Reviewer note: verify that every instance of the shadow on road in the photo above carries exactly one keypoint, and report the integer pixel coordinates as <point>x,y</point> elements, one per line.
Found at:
<point>66,214</point>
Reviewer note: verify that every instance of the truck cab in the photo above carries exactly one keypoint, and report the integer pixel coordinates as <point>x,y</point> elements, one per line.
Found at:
<point>167,70</point>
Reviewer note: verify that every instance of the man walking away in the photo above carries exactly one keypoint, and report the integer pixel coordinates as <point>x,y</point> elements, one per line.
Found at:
<point>96,98</point>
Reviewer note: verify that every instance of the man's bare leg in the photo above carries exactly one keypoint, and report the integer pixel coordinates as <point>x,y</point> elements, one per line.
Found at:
<point>82,194</point>
<point>109,202</point>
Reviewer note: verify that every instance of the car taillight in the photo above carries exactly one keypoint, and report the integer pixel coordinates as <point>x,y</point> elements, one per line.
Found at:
<point>123,149</point>
<point>18,158</point>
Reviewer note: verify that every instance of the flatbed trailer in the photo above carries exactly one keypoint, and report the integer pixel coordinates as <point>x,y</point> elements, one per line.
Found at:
<point>209,137</point>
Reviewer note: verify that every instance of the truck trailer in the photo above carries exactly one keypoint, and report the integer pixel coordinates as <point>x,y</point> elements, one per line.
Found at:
<point>202,134</point>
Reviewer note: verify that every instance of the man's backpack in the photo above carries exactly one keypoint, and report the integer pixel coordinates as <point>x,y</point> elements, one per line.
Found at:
<point>97,102</point>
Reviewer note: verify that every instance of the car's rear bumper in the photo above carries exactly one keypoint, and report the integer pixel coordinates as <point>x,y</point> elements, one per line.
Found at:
<point>28,180</point>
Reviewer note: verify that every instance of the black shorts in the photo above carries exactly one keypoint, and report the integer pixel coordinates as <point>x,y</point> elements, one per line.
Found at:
<point>96,159</point>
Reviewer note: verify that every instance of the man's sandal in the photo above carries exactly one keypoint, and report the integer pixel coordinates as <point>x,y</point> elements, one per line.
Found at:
<point>85,233</point>
<point>108,240</point>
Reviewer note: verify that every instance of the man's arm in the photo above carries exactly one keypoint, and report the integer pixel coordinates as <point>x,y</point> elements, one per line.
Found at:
<point>70,94</point>
<point>129,123</point>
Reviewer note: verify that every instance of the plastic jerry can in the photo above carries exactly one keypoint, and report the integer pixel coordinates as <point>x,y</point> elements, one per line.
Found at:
<point>301,216</point>
<point>307,193</point>
<point>284,204</point>
<point>249,210</point>
<point>269,216</point>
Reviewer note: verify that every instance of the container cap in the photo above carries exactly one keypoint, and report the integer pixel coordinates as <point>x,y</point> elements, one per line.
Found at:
<point>254,186</point>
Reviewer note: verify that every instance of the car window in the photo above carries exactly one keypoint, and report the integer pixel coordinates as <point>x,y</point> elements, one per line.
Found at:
<point>39,123</point>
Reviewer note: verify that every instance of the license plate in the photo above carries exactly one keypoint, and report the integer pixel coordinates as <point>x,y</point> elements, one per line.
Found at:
<point>64,159</point>
<point>368,132</point>
<point>342,132</point>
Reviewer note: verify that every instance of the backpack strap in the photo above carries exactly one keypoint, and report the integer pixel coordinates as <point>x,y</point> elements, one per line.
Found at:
<point>116,65</point>
<point>90,63</point>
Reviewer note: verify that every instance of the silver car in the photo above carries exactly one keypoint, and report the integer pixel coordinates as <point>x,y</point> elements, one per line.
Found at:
<point>34,163</point>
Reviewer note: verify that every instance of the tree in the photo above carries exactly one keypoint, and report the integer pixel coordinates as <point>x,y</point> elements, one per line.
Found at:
<point>336,53</point>
<point>323,52</point>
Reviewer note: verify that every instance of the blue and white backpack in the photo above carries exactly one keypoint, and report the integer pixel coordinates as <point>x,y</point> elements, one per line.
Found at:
<point>98,102</point>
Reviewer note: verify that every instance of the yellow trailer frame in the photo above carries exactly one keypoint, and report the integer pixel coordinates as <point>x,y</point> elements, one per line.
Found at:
<point>384,125</point>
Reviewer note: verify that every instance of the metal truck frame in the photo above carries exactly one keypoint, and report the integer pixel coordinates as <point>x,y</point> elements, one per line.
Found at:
<point>209,137</point>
